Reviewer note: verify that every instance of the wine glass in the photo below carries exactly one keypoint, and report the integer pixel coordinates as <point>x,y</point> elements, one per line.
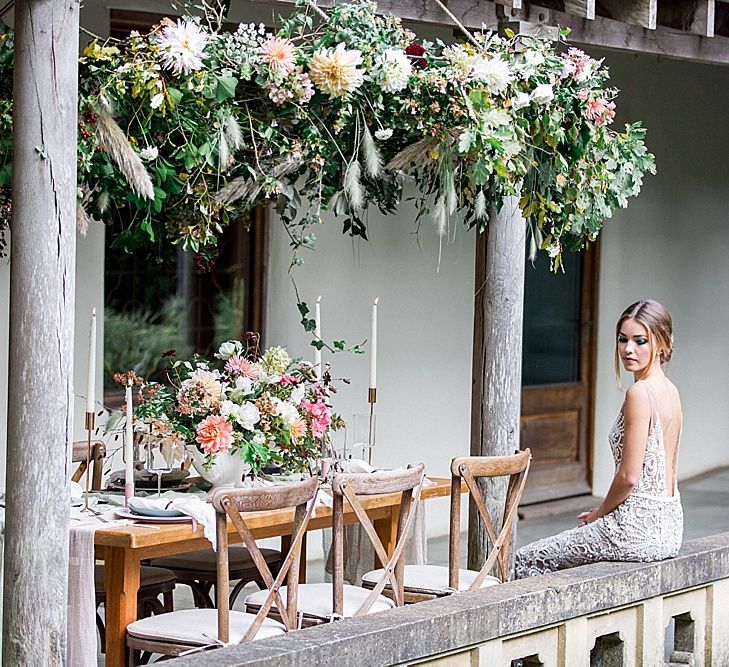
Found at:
<point>363,436</point>
<point>158,471</point>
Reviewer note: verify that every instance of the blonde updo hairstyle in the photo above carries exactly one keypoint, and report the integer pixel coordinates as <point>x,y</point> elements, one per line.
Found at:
<point>655,317</point>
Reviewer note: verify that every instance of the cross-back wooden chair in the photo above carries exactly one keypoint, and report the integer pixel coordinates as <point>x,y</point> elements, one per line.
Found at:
<point>154,581</point>
<point>198,569</point>
<point>422,582</point>
<point>197,629</point>
<point>321,603</point>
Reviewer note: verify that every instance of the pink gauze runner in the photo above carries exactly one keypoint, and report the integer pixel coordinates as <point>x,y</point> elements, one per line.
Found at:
<point>81,628</point>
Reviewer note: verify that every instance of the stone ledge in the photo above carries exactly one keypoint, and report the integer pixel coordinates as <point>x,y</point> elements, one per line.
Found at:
<point>448,624</point>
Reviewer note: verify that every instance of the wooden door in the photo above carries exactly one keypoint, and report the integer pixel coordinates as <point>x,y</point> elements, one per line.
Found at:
<point>558,376</point>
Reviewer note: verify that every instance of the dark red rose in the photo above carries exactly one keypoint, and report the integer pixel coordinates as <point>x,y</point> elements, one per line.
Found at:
<point>416,51</point>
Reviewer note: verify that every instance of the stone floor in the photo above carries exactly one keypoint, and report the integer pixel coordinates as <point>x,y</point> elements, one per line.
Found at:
<point>704,498</point>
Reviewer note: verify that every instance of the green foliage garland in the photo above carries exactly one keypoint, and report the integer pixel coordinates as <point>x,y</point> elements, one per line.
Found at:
<point>184,127</point>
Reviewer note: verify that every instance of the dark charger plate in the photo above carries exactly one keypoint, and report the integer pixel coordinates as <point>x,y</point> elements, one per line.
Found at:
<point>144,479</point>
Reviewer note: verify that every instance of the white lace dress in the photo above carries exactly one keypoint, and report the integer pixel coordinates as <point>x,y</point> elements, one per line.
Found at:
<point>646,526</point>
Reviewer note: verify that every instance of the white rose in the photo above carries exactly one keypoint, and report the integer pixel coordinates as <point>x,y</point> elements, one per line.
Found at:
<point>286,411</point>
<point>520,100</point>
<point>297,395</point>
<point>246,415</point>
<point>542,94</point>
<point>244,385</point>
<point>383,134</point>
<point>231,348</point>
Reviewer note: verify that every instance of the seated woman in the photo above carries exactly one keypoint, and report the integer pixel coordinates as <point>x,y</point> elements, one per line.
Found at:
<point>641,517</point>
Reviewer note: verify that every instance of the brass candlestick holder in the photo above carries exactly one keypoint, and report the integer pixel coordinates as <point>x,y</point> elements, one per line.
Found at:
<point>371,399</point>
<point>90,422</point>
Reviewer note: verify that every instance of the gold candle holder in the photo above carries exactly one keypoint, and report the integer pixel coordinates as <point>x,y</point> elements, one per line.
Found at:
<point>371,399</point>
<point>90,422</point>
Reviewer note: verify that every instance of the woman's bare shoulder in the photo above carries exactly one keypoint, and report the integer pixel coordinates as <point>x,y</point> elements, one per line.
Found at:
<point>637,404</point>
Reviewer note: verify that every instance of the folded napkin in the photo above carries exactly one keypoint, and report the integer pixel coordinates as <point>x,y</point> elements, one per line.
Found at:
<point>189,505</point>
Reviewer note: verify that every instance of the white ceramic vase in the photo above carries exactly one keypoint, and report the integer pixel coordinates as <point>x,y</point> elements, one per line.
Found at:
<point>227,470</point>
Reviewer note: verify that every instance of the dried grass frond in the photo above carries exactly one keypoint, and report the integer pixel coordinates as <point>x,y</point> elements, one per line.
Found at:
<point>371,154</point>
<point>480,207</point>
<point>248,188</point>
<point>440,216</point>
<point>353,185</point>
<point>121,152</point>
<point>82,219</point>
<point>417,154</point>
<point>233,133</point>
<point>224,156</point>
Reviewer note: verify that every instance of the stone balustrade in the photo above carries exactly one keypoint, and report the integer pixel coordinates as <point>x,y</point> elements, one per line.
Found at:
<point>675,612</point>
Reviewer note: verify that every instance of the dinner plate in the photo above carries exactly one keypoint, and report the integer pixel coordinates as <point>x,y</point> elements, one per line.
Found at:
<point>153,511</point>
<point>126,514</point>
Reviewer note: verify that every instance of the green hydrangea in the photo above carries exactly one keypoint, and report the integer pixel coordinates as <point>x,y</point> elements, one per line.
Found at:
<point>275,361</point>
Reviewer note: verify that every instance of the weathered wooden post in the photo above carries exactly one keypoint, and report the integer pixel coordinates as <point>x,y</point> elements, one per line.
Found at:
<point>497,345</point>
<point>40,393</point>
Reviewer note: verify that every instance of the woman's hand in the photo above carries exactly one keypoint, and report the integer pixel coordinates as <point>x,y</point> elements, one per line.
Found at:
<point>589,516</point>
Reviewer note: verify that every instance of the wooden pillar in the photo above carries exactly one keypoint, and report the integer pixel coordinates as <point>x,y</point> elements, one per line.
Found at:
<point>497,344</point>
<point>40,392</point>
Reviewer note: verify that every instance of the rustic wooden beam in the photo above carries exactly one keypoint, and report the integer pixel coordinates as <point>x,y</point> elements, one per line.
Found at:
<point>634,12</point>
<point>583,8</point>
<point>40,368</point>
<point>694,16</point>
<point>602,32</point>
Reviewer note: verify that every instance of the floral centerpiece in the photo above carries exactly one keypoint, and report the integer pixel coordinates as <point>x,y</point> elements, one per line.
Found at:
<point>257,409</point>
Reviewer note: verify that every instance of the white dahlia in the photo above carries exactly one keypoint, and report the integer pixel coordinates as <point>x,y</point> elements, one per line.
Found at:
<point>493,72</point>
<point>393,68</point>
<point>181,47</point>
<point>334,71</point>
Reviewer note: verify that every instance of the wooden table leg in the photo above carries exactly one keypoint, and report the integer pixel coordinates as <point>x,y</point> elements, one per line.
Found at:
<point>286,547</point>
<point>121,582</point>
<point>386,529</point>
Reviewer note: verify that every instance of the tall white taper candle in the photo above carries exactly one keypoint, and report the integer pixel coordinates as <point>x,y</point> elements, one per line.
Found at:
<point>317,336</point>
<point>373,347</point>
<point>129,448</point>
<point>91,380</point>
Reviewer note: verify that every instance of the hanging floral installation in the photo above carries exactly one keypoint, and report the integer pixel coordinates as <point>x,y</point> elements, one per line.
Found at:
<point>184,128</point>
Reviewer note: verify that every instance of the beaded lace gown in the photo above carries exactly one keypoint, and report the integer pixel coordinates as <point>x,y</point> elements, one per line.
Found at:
<point>646,526</point>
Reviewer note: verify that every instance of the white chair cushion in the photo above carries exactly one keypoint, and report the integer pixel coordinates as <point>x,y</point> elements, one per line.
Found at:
<point>316,600</point>
<point>432,578</point>
<point>199,627</point>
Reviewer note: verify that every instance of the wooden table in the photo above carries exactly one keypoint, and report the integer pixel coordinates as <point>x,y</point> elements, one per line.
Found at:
<point>123,547</point>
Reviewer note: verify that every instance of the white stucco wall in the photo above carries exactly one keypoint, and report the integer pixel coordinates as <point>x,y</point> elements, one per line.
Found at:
<point>89,293</point>
<point>672,245</point>
<point>424,331</point>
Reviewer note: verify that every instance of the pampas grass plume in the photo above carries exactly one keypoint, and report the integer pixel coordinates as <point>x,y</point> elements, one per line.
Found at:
<point>224,157</point>
<point>233,133</point>
<point>353,185</point>
<point>121,152</point>
<point>440,216</point>
<point>371,154</point>
<point>480,208</point>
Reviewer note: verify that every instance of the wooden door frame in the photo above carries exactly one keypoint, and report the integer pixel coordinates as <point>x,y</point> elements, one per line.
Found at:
<point>589,298</point>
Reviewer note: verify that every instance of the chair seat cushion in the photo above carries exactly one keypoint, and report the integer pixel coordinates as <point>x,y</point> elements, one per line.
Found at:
<point>198,627</point>
<point>239,558</point>
<point>148,577</point>
<point>317,600</point>
<point>430,578</point>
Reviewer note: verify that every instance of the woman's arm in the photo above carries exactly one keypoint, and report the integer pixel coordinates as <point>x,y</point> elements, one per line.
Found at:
<point>637,418</point>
